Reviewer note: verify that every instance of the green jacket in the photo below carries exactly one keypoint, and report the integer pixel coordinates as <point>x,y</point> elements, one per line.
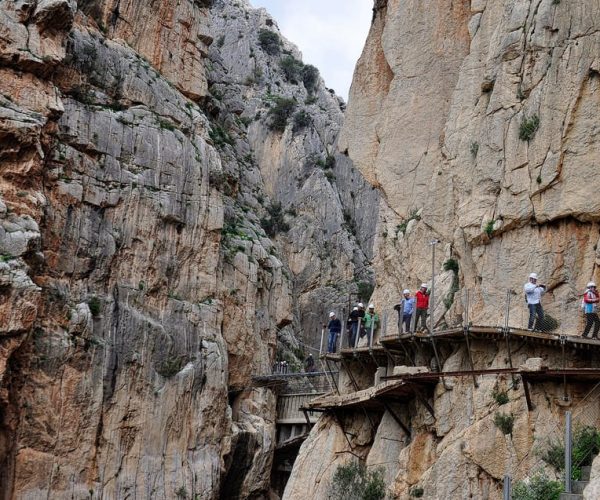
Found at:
<point>371,318</point>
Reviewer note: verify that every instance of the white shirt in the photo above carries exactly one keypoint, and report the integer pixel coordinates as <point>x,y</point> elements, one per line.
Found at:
<point>533,293</point>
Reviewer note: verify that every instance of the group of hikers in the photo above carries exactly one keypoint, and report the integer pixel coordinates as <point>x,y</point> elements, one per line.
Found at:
<point>363,322</point>
<point>589,303</point>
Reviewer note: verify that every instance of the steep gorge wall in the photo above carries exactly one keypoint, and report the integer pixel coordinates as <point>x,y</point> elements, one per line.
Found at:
<point>434,120</point>
<point>139,291</point>
<point>434,117</point>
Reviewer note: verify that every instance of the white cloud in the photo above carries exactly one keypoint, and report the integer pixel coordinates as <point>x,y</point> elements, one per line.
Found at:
<point>330,33</point>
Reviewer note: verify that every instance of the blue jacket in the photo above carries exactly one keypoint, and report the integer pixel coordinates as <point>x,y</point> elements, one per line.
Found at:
<point>409,306</point>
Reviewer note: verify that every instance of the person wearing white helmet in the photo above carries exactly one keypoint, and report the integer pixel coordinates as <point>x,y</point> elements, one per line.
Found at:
<point>335,327</point>
<point>590,299</point>
<point>533,298</point>
<point>371,321</point>
<point>405,311</point>
<point>422,300</point>
<point>356,318</point>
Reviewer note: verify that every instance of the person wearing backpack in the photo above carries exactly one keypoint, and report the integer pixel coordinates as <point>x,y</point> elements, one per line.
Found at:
<point>590,299</point>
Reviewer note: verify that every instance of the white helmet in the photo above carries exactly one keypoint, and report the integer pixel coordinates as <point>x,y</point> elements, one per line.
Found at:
<point>406,291</point>
<point>371,306</point>
<point>355,308</point>
<point>423,285</point>
<point>591,284</point>
<point>533,276</point>
<point>360,304</point>
<point>331,314</point>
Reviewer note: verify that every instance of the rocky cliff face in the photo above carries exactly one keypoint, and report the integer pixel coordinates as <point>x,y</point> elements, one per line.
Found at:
<point>475,121</point>
<point>158,236</point>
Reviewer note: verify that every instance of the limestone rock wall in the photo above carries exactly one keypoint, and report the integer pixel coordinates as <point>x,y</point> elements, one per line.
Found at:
<point>473,118</point>
<point>434,119</point>
<point>139,287</point>
<point>459,451</point>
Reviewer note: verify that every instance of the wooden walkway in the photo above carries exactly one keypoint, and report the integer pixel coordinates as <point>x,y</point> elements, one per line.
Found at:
<point>398,343</point>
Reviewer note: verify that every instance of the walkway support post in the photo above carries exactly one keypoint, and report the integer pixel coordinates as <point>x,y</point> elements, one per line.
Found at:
<point>506,490</point>
<point>433,243</point>
<point>568,452</point>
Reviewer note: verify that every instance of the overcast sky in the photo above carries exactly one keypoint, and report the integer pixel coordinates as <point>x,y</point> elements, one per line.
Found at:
<point>330,34</point>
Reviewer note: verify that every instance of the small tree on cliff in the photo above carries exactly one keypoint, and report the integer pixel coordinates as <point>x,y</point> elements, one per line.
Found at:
<point>355,482</point>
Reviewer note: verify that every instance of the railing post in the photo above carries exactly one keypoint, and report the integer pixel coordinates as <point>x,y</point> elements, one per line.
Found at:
<point>568,452</point>
<point>342,331</point>
<point>507,311</point>
<point>321,343</point>
<point>467,307</point>
<point>357,333</point>
<point>507,487</point>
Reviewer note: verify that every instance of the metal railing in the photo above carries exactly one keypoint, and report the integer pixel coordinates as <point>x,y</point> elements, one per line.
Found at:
<point>504,309</point>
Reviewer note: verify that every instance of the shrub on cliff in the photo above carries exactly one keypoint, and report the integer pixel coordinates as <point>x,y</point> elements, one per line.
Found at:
<point>280,113</point>
<point>292,68</point>
<point>355,482</point>
<point>269,42</point>
<point>586,445</point>
<point>529,127</point>
<point>310,78</point>
<point>538,487</point>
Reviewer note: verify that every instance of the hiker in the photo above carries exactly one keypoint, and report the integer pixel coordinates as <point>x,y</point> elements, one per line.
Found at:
<point>353,326</point>
<point>356,323</point>
<point>409,307</point>
<point>335,327</point>
<point>422,302</point>
<point>309,364</point>
<point>590,299</point>
<point>371,322</point>
<point>533,297</point>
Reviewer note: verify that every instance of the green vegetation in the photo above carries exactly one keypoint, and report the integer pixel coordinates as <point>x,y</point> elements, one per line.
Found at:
<point>489,227</point>
<point>349,222</point>
<point>219,136</point>
<point>302,119</point>
<point>364,290</point>
<point>501,397</point>
<point>310,78</point>
<point>451,265</point>
<point>539,179</point>
<point>529,127</point>
<point>504,422</point>
<point>416,492</point>
<point>586,445</point>
<point>275,222</point>
<point>538,487</point>
<point>165,124</point>
<point>401,228</point>
<point>269,42</point>
<point>181,492</point>
<point>95,306</point>
<point>292,69</point>
<point>355,482</point>
<point>280,113</point>
<point>170,366</point>
<point>474,148</point>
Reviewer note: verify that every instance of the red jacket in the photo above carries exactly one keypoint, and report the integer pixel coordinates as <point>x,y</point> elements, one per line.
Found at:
<point>422,300</point>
